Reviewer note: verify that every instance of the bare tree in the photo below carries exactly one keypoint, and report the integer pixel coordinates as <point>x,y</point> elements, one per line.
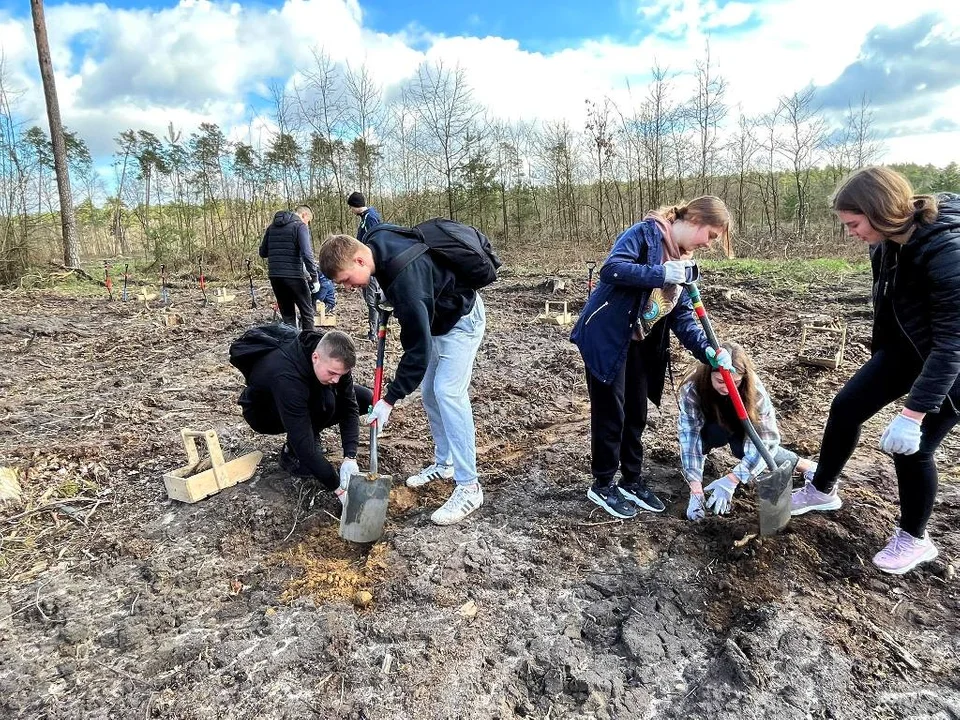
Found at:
<point>803,140</point>
<point>68,221</point>
<point>742,149</point>
<point>364,98</point>
<point>708,111</point>
<point>600,136</point>
<point>444,103</point>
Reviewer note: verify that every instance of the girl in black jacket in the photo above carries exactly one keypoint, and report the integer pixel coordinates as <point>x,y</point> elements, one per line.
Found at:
<point>915,252</point>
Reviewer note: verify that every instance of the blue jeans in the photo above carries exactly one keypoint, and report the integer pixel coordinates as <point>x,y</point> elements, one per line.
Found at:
<point>446,395</point>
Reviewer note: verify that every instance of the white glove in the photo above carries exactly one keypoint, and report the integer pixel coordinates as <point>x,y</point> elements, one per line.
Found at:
<point>723,490</point>
<point>348,468</point>
<point>380,414</point>
<point>315,287</point>
<point>695,507</point>
<point>902,436</point>
<point>720,359</point>
<point>675,271</point>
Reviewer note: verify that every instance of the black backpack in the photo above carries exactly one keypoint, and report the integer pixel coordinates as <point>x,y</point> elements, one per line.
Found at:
<point>257,342</point>
<point>462,248</point>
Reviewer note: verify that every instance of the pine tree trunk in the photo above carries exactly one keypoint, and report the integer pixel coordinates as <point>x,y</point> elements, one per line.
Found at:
<point>71,243</point>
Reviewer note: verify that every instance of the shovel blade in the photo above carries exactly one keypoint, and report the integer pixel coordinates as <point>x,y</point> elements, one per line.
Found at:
<point>365,511</point>
<point>773,493</point>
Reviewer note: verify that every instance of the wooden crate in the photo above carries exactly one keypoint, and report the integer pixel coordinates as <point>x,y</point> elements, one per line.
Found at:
<point>822,344</point>
<point>324,320</point>
<point>201,478</point>
<point>558,316</point>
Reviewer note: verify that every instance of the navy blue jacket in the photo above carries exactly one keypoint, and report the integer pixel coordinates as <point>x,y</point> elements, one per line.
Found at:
<point>605,327</point>
<point>286,245</point>
<point>922,282</point>
<point>369,219</point>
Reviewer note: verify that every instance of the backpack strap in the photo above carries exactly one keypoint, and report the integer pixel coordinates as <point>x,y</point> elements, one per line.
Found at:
<point>399,262</point>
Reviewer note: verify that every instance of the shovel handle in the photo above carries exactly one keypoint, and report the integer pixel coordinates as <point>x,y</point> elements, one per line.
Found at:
<point>732,389</point>
<point>384,312</point>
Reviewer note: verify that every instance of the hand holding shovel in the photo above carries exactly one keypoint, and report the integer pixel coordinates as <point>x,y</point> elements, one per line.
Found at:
<point>365,510</point>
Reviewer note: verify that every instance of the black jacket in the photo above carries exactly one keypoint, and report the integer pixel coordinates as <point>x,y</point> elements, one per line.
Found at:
<point>917,290</point>
<point>286,245</point>
<point>427,302</point>
<point>285,377</point>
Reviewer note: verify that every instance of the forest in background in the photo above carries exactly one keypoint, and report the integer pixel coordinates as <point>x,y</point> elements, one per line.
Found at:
<point>430,149</point>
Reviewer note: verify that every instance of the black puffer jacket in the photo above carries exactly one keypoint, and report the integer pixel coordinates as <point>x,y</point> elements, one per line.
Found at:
<point>923,281</point>
<point>286,245</point>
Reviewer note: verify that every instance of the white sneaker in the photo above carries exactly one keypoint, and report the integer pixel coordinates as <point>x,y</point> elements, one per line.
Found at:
<point>432,472</point>
<point>465,499</point>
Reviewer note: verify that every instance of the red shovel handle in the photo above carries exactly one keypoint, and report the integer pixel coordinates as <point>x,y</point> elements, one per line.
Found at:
<point>732,388</point>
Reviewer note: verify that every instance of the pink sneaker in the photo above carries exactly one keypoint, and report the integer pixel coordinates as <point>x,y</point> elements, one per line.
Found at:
<point>809,498</point>
<point>904,552</point>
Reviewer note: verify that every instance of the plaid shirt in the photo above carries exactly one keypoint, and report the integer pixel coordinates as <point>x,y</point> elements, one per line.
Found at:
<point>690,423</point>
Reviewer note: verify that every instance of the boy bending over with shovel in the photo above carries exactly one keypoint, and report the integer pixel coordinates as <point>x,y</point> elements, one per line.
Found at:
<point>707,420</point>
<point>441,326</point>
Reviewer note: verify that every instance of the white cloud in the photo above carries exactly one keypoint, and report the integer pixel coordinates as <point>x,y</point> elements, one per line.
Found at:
<point>201,61</point>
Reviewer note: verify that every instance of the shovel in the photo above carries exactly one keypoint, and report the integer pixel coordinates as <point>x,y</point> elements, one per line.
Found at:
<point>365,511</point>
<point>775,485</point>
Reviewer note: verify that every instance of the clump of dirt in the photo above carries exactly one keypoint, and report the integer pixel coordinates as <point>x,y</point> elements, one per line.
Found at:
<point>330,568</point>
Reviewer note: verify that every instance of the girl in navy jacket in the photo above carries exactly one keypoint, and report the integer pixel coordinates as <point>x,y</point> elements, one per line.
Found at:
<point>623,337</point>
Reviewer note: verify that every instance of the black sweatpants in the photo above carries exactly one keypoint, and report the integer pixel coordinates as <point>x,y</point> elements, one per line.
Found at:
<point>618,415</point>
<point>294,294</point>
<point>264,418</point>
<point>886,377</point>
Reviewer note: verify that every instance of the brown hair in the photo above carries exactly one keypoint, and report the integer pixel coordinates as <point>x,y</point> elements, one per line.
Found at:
<point>704,210</point>
<point>335,254</point>
<point>337,345</point>
<point>886,198</point>
<point>712,404</point>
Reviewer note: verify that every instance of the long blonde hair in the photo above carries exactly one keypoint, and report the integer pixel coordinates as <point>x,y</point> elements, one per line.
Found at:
<point>704,210</point>
<point>886,199</point>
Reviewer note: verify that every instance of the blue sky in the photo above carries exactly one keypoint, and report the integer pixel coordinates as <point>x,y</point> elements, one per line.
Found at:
<point>127,63</point>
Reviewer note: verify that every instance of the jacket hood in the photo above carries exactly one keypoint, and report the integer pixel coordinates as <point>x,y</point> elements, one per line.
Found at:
<point>948,217</point>
<point>285,217</point>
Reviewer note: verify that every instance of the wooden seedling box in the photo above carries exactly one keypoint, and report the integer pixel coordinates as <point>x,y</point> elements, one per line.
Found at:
<point>559,316</point>
<point>324,320</point>
<point>201,478</point>
<point>222,296</point>
<point>827,349</point>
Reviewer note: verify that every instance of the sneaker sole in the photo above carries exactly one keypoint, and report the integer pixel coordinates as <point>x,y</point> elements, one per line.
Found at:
<point>640,503</point>
<point>825,507</point>
<point>597,500</point>
<point>927,557</point>
<point>442,523</point>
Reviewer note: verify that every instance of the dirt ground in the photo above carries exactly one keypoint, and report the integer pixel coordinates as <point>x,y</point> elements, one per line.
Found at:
<point>116,602</point>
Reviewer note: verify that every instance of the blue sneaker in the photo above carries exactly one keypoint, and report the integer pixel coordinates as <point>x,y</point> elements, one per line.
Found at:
<point>608,497</point>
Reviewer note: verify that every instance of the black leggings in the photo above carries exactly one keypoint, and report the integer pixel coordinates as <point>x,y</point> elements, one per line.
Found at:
<point>886,377</point>
<point>618,416</point>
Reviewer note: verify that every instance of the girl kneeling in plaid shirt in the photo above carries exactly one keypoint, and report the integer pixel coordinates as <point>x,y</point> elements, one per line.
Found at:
<point>707,420</point>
